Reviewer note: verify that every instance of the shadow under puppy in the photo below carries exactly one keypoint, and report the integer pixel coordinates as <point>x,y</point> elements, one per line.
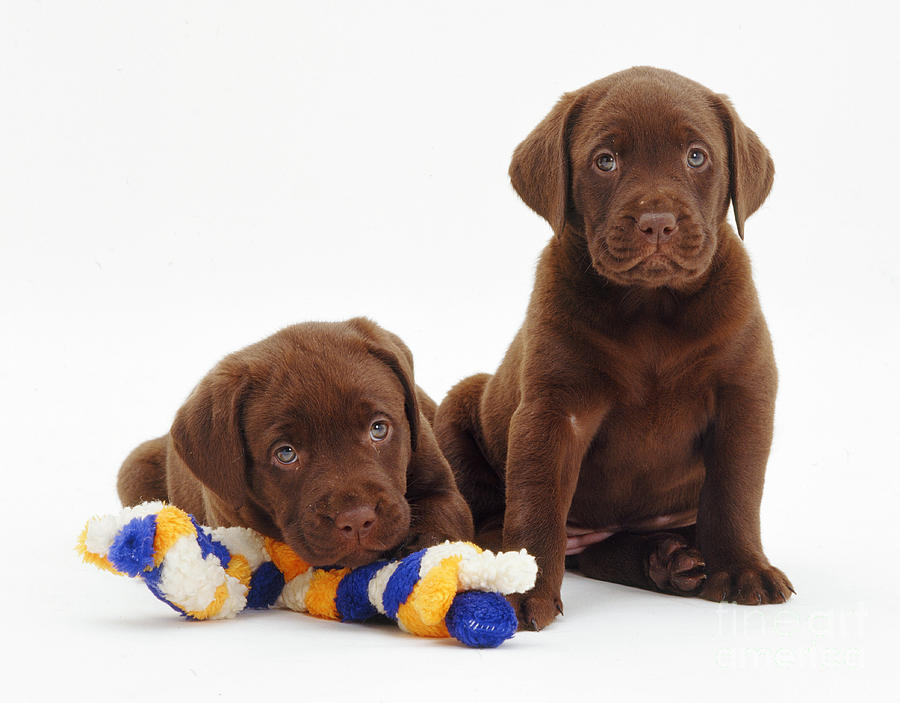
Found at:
<point>629,425</point>
<point>316,436</point>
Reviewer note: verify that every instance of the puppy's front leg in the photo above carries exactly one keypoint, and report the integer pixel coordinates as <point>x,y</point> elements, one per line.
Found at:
<point>545,451</point>
<point>735,453</point>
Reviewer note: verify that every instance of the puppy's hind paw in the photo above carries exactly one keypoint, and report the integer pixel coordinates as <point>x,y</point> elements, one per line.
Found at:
<point>675,567</point>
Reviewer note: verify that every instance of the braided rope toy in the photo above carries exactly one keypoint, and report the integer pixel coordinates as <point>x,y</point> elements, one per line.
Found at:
<point>454,589</point>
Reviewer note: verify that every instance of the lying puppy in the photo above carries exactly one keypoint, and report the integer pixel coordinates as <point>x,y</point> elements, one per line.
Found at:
<point>316,436</point>
<point>630,422</point>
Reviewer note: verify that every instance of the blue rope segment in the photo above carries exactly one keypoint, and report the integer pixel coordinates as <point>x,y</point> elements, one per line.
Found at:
<point>266,585</point>
<point>479,619</point>
<point>352,598</point>
<point>210,546</point>
<point>401,583</point>
<point>132,550</point>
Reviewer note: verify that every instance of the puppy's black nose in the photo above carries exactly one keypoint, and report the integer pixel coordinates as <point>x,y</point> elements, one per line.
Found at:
<point>356,522</point>
<point>657,226</point>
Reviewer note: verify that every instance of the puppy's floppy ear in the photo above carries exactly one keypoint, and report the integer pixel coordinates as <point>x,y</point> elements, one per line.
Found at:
<point>207,432</point>
<point>750,166</point>
<point>540,169</point>
<point>390,350</point>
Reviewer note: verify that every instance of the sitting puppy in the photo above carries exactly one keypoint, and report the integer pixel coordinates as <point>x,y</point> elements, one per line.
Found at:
<point>629,424</point>
<point>316,436</point>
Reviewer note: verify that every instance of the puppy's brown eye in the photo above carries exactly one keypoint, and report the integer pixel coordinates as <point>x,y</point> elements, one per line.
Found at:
<point>606,162</point>
<point>379,430</point>
<point>285,455</point>
<point>696,158</point>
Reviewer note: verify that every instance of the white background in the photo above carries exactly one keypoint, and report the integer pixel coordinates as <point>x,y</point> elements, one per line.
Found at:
<point>180,179</point>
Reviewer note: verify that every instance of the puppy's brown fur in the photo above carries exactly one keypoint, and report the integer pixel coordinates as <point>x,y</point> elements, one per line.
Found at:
<point>342,494</point>
<point>631,419</point>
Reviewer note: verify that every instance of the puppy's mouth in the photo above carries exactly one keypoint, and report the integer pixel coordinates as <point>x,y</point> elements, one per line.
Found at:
<point>355,559</point>
<point>630,261</point>
<point>348,556</point>
<point>657,267</point>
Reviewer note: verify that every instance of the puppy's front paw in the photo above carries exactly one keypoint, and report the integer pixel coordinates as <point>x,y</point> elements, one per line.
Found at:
<point>536,611</point>
<point>756,585</point>
<point>674,566</point>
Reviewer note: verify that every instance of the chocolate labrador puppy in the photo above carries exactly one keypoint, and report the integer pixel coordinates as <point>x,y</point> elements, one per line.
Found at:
<point>629,424</point>
<point>316,436</point>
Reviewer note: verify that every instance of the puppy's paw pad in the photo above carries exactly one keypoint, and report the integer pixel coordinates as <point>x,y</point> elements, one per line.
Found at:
<point>760,585</point>
<point>675,567</point>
